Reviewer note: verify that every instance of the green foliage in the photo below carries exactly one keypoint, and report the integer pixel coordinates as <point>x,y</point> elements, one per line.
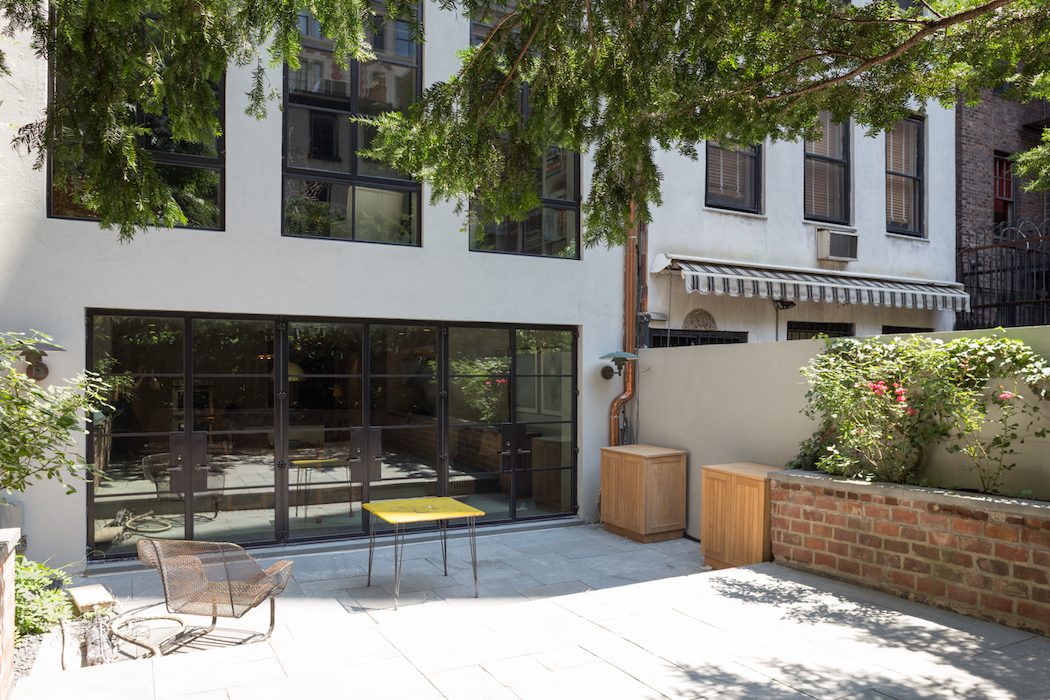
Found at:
<point>40,602</point>
<point>615,79</point>
<point>882,405</point>
<point>38,424</point>
<point>484,384</point>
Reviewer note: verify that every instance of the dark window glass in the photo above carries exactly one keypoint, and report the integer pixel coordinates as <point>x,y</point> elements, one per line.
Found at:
<point>892,330</point>
<point>1003,191</point>
<point>408,350</point>
<point>904,177</point>
<point>227,346</point>
<point>827,174</point>
<point>804,330</point>
<point>360,199</point>
<point>676,338</point>
<point>734,177</point>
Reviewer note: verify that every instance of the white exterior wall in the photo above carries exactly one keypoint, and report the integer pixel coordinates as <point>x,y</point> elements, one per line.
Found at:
<point>781,236</point>
<point>52,270</point>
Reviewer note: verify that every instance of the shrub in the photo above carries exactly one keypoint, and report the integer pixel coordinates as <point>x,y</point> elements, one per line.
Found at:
<point>883,404</point>
<point>40,602</point>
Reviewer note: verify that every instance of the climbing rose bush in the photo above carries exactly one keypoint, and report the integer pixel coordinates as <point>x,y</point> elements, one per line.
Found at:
<point>883,405</point>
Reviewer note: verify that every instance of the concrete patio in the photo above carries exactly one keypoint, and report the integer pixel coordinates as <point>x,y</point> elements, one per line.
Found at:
<point>574,612</point>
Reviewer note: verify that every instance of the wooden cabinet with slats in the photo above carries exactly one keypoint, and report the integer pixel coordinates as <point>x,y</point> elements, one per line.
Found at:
<point>734,514</point>
<point>643,492</point>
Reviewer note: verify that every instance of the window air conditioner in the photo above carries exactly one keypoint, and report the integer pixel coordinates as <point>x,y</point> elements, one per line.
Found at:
<point>836,245</point>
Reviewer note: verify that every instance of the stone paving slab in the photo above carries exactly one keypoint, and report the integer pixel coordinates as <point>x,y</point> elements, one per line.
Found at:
<point>575,612</point>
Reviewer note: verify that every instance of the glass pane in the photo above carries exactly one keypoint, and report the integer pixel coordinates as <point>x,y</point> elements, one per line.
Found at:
<point>197,191</point>
<point>324,348</point>
<point>902,147</point>
<point>315,208</point>
<point>551,444</point>
<point>159,138</point>
<point>318,139</point>
<point>731,177</point>
<point>241,460</point>
<point>479,350</point>
<point>902,196</point>
<point>325,477</point>
<point>367,166</point>
<point>489,493</point>
<point>231,404</point>
<point>559,175</point>
<point>245,515</point>
<point>475,450</point>
<point>532,233</point>
<point>147,405</point>
<point>393,40</point>
<point>825,190</point>
<point>404,350</point>
<point>503,236</point>
<point>479,399</point>
<point>403,401</point>
<point>551,232</point>
<point>555,398</point>
<point>832,143</point>
<point>319,73</point>
<point>138,344</point>
<point>386,87</point>
<point>544,352</point>
<point>543,492</point>
<point>405,455</point>
<point>329,402</point>
<point>230,346</point>
<point>386,216</point>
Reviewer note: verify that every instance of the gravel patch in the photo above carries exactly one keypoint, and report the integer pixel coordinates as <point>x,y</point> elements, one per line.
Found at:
<point>25,653</point>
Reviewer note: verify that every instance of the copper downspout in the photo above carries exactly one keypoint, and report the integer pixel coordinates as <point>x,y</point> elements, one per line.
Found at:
<point>630,323</point>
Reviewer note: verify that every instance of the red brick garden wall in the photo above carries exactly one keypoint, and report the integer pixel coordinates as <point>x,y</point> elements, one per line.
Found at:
<point>983,556</point>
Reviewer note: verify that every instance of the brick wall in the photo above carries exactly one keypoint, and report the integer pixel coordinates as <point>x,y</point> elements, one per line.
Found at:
<point>996,124</point>
<point>983,556</point>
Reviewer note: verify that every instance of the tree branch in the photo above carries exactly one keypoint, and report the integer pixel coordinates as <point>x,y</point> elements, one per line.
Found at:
<point>514,66</point>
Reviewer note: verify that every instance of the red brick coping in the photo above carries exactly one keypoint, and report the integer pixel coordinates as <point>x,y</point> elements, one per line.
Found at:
<point>985,556</point>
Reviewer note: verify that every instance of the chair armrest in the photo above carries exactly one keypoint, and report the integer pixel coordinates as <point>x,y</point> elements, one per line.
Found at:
<point>279,573</point>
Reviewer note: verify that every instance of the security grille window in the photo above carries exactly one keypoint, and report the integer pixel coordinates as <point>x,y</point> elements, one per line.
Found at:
<point>677,339</point>
<point>827,174</point>
<point>734,177</point>
<point>195,172</point>
<point>897,330</point>
<point>553,230</point>
<point>904,177</point>
<point>329,190</point>
<point>804,330</point>
<point>1003,191</point>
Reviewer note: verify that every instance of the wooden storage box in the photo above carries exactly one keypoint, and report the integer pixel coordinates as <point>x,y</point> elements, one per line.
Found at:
<point>734,514</point>
<point>643,492</point>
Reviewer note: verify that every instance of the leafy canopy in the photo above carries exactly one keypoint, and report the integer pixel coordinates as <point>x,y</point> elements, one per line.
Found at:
<point>616,78</point>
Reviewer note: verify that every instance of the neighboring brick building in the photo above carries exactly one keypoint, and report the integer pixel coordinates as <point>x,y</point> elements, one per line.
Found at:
<point>1008,282</point>
<point>987,134</point>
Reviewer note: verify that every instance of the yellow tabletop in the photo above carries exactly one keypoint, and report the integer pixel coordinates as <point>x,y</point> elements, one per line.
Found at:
<point>420,510</point>
<point>328,462</point>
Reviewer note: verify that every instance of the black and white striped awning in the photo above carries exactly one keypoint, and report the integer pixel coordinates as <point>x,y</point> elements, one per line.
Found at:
<point>771,283</point>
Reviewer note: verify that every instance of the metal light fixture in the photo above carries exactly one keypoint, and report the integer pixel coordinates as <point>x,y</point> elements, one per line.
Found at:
<point>34,356</point>
<point>619,359</point>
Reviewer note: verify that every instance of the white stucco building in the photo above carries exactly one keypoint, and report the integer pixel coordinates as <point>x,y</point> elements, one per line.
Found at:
<point>322,335</point>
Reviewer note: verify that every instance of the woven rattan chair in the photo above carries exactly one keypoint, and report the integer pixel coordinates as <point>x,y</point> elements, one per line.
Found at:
<point>216,579</point>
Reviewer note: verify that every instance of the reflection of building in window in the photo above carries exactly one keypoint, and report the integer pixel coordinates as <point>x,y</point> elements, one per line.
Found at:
<point>734,177</point>
<point>827,174</point>
<point>1003,191</point>
<point>330,191</point>
<point>804,330</point>
<point>553,229</point>
<point>904,177</point>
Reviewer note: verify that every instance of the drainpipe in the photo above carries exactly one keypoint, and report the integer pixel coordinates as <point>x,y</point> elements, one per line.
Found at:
<point>630,324</point>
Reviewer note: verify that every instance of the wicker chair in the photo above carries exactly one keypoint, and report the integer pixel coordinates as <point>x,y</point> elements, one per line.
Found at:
<point>216,579</point>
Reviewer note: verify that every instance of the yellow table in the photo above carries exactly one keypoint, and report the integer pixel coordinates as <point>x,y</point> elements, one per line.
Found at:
<point>308,465</point>
<point>400,512</point>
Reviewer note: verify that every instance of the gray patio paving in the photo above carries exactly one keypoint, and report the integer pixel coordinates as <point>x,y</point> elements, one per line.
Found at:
<point>574,612</point>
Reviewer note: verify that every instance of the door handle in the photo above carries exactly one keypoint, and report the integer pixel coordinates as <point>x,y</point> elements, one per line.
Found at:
<point>200,467</point>
<point>174,468</point>
<point>524,452</point>
<point>505,453</point>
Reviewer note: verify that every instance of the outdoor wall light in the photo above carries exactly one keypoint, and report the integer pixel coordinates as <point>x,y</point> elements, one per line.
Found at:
<point>34,356</point>
<point>619,359</point>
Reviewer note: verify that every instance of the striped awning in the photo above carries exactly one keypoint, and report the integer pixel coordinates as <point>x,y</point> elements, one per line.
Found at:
<point>790,285</point>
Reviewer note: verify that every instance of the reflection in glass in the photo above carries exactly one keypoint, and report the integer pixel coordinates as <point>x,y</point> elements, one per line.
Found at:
<point>407,457</point>
<point>484,399</point>
<point>158,137</point>
<point>324,348</point>
<point>330,402</point>
<point>403,400</point>
<point>318,139</point>
<point>325,475</point>
<point>228,346</point>
<point>386,216</point>
<point>404,350</point>
<point>148,405</point>
<point>138,344</point>
<point>551,444</point>
<point>543,492</point>
<point>319,73</point>
<point>558,175</point>
<point>479,350</point>
<point>544,398</point>
<point>197,191</point>
<point>232,404</point>
<point>316,208</point>
<point>476,470</point>
<point>386,86</point>
<point>549,352</point>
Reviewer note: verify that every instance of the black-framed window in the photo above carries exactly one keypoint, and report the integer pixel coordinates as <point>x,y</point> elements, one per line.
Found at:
<point>827,178</point>
<point>329,190</point>
<point>898,330</point>
<point>680,338</point>
<point>905,177</point>
<point>1002,190</point>
<point>804,330</point>
<point>196,172</point>
<point>552,230</point>
<point>734,178</point>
